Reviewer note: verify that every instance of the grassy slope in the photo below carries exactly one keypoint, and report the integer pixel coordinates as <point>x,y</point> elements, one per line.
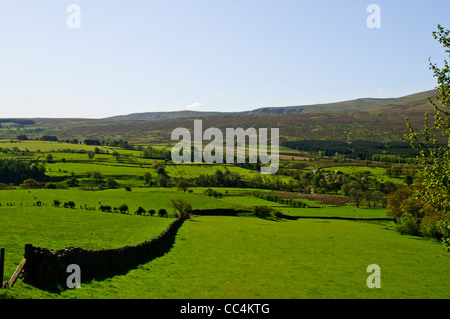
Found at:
<point>57,228</point>
<point>241,257</point>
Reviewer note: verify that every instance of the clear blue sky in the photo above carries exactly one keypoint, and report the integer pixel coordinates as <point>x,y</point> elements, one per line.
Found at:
<point>210,55</point>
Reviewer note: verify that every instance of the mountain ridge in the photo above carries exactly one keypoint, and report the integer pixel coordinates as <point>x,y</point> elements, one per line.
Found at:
<point>356,105</point>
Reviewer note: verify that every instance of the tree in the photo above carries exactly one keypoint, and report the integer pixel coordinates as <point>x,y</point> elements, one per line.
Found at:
<point>183,184</point>
<point>163,181</point>
<point>97,177</point>
<point>433,141</point>
<point>408,180</point>
<point>123,208</point>
<point>140,211</point>
<point>379,197</point>
<point>111,183</point>
<point>116,155</point>
<point>21,137</point>
<point>181,206</point>
<point>147,177</point>
<point>49,158</point>
<point>396,200</point>
<point>368,196</point>
<point>72,182</point>
<point>162,212</point>
<point>356,195</point>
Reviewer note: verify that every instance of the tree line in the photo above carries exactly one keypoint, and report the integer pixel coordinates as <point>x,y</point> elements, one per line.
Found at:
<point>365,150</point>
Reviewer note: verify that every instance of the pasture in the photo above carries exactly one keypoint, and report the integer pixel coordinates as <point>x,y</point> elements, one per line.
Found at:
<point>246,257</point>
<point>220,256</point>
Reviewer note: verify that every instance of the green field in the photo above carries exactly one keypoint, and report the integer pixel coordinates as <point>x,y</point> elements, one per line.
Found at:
<point>213,257</point>
<point>244,257</point>
<point>149,198</point>
<point>57,228</point>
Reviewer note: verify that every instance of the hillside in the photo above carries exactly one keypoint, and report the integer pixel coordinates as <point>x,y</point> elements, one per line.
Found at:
<point>380,122</point>
<point>154,116</point>
<point>362,104</point>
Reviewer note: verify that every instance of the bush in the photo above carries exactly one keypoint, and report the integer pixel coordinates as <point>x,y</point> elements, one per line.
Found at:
<point>123,208</point>
<point>69,204</point>
<point>111,183</point>
<point>162,213</point>
<point>212,193</point>
<point>432,225</point>
<point>141,211</point>
<point>151,212</point>
<point>106,208</point>
<point>50,185</point>
<point>266,212</point>
<point>408,225</point>
<point>5,186</point>
<point>30,184</point>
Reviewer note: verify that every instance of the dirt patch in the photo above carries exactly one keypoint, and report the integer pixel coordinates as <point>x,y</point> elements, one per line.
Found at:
<point>323,199</point>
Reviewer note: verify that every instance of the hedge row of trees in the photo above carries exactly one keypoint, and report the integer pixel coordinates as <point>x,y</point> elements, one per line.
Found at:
<point>284,201</point>
<point>364,150</point>
<point>123,209</point>
<point>15,171</point>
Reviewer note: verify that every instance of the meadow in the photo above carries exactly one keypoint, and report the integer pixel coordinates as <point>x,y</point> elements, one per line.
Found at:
<point>246,257</point>
<point>215,256</point>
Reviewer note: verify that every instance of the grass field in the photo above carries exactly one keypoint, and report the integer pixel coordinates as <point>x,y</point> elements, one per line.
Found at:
<point>57,228</point>
<point>46,146</point>
<point>149,198</point>
<point>215,257</point>
<point>378,172</point>
<point>244,257</point>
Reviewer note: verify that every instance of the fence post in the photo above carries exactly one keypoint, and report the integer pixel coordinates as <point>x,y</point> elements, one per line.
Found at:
<point>2,265</point>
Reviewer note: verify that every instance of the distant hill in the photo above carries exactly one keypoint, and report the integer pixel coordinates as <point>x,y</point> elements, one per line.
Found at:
<point>379,120</point>
<point>153,116</point>
<point>357,105</point>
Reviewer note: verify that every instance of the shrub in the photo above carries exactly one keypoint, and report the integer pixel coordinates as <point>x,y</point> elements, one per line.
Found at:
<point>162,213</point>
<point>123,208</point>
<point>30,183</point>
<point>111,183</point>
<point>432,225</point>
<point>408,225</point>
<point>140,211</point>
<point>212,193</point>
<point>152,212</point>
<point>5,186</point>
<point>50,185</point>
<point>106,208</point>
<point>69,204</point>
<point>266,212</point>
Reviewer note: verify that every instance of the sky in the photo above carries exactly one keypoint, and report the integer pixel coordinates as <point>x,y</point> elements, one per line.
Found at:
<point>103,58</point>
